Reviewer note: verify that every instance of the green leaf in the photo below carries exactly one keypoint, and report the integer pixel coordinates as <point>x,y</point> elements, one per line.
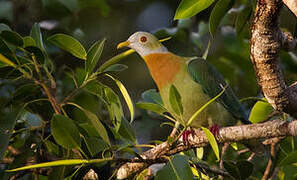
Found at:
<point>126,97</point>
<point>51,147</point>
<point>7,123</point>
<point>245,168</point>
<point>37,36</point>
<point>12,37</point>
<point>152,96</point>
<point>4,27</point>
<point>61,163</point>
<point>65,132</point>
<point>177,169</point>
<point>28,41</point>
<point>71,5</point>
<point>37,53</point>
<point>232,169</point>
<point>93,119</point>
<point>242,19</point>
<point>116,68</point>
<point>199,152</point>
<point>156,108</point>
<point>127,131</point>
<point>189,8</point>
<point>93,55</point>
<point>175,100</point>
<point>217,14</point>
<point>212,141</point>
<point>290,159</point>
<point>68,44</point>
<point>95,145</point>
<point>260,111</point>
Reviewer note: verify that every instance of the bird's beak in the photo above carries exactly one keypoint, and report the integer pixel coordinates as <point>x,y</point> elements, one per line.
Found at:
<point>123,44</point>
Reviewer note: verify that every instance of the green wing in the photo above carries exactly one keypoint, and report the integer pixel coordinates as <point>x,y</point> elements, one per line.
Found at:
<point>212,83</point>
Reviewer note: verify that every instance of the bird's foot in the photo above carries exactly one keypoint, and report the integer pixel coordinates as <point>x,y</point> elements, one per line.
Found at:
<point>186,135</point>
<point>215,130</point>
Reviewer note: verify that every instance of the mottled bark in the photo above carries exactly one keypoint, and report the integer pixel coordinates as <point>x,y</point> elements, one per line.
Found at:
<point>270,129</point>
<point>266,42</point>
<point>292,5</point>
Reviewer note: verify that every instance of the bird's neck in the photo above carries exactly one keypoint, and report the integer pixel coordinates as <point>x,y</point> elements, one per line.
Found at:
<point>163,67</point>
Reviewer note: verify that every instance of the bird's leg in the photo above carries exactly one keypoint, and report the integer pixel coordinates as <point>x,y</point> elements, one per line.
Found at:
<point>186,135</point>
<point>215,130</point>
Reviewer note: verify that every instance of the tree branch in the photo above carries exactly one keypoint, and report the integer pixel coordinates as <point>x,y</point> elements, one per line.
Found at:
<point>266,42</point>
<point>292,5</point>
<point>270,129</point>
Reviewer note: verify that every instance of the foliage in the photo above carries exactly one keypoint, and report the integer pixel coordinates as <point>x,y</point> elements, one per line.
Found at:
<point>69,116</point>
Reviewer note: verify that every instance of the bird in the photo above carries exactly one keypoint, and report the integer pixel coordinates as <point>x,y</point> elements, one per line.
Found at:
<point>194,78</point>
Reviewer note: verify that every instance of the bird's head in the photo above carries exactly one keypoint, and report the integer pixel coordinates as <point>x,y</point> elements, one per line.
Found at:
<point>143,43</point>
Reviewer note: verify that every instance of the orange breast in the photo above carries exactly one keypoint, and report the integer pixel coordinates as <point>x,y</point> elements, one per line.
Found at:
<point>163,67</point>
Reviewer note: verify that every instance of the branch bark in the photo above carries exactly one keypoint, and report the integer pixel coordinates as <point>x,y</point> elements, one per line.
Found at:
<point>292,5</point>
<point>270,129</point>
<point>266,42</point>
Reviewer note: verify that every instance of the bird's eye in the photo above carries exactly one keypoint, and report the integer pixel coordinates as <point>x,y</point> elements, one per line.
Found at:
<point>143,39</point>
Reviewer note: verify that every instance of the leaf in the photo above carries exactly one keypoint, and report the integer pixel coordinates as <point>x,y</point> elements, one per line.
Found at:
<point>290,159</point>
<point>245,168</point>
<point>152,96</point>
<point>51,147</point>
<point>217,14</point>
<point>95,145</point>
<point>177,169</point>
<point>127,131</point>
<point>66,162</point>
<point>232,169</point>
<point>28,41</point>
<point>37,36</point>
<point>6,61</point>
<point>68,44</point>
<point>71,5</point>
<point>7,123</point>
<point>212,141</point>
<point>93,55</point>
<point>65,132</point>
<point>116,68</point>
<point>189,8</point>
<point>93,119</point>
<point>242,18</point>
<point>12,37</point>
<point>156,108</point>
<point>175,100</point>
<point>4,27</point>
<point>260,111</point>
<point>37,53</point>
<point>126,97</point>
<point>199,152</point>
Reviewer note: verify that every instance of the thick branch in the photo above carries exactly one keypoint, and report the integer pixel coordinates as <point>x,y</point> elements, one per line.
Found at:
<point>292,5</point>
<point>276,128</point>
<point>266,41</point>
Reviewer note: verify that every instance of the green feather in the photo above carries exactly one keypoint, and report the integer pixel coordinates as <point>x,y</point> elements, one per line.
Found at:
<point>212,83</point>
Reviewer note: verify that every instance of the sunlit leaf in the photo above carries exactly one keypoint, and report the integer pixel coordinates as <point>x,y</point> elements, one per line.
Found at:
<point>126,97</point>
<point>61,163</point>
<point>68,44</point>
<point>6,61</point>
<point>189,8</point>
<point>93,55</point>
<point>217,14</point>
<point>175,100</point>
<point>212,141</point>
<point>260,111</point>
<point>28,41</point>
<point>65,132</point>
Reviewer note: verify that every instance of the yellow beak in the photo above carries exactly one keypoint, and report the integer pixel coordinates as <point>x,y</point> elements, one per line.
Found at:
<point>123,44</point>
